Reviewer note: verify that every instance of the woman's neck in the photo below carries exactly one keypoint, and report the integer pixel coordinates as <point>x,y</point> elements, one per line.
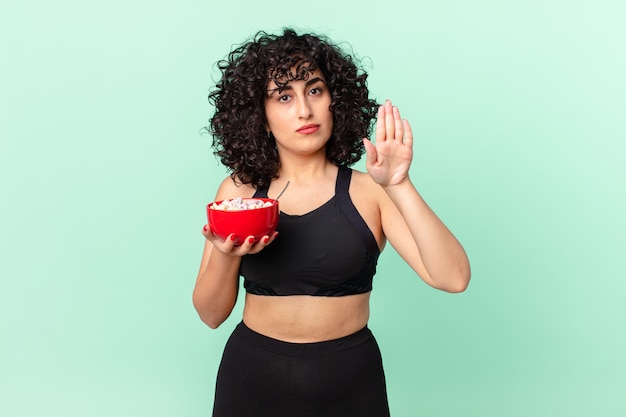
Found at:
<point>305,170</point>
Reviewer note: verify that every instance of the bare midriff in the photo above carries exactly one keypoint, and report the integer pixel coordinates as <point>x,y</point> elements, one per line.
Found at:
<point>305,318</point>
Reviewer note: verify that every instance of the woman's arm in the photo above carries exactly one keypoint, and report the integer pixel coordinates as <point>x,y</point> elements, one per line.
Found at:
<point>409,224</point>
<point>217,284</point>
<point>423,240</point>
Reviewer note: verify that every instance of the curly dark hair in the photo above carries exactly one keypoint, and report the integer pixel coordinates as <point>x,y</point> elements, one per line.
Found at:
<point>238,126</point>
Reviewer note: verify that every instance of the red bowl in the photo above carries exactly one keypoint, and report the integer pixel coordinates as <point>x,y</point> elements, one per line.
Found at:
<point>257,222</point>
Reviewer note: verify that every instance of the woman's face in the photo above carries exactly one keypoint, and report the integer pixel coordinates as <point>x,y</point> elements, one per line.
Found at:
<point>298,114</point>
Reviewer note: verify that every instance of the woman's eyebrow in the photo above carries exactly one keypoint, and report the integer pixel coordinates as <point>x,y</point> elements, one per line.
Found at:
<point>312,81</point>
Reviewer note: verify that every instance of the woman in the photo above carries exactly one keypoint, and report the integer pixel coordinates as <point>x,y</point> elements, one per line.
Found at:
<point>295,109</point>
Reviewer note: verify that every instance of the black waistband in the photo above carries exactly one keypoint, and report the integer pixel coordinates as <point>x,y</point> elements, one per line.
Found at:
<point>247,335</point>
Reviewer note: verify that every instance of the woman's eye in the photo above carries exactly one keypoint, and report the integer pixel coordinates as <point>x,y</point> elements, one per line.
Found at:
<point>315,90</point>
<point>283,98</point>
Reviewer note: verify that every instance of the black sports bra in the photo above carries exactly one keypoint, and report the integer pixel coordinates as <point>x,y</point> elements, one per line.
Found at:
<point>329,251</point>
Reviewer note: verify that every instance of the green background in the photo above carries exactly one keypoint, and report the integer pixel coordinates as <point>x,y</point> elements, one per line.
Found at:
<point>519,113</point>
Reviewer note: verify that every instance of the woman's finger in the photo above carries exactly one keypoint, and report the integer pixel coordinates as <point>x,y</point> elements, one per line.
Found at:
<point>390,126</point>
<point>399,126</point>
<point>229,243</point>
<point>408,133</point>
<point>370,152</point>
<point>262,243</point>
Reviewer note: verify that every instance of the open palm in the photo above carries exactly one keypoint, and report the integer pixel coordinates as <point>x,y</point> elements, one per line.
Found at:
<point>389,159</point>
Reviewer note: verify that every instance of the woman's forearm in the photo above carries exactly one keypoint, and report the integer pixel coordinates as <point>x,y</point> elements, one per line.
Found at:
<point>442,255</point>
<point>216,289</point>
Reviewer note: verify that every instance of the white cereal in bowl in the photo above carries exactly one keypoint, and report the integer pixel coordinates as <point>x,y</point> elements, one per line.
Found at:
<point>234,204</point>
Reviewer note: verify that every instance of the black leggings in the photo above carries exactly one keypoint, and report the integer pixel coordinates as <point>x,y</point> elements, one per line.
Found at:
<point>264,377</point>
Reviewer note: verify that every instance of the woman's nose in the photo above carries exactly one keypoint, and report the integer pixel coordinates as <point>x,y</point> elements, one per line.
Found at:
<point>304,109</point>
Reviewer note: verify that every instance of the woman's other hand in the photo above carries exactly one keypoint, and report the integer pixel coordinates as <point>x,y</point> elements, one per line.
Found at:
<point>389,159</point>
<point>228,246</point>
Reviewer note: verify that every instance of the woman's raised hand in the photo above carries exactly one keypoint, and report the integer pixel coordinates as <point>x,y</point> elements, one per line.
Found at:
<point>389,159</point>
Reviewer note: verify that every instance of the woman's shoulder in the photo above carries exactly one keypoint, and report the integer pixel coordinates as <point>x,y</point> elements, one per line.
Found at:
<point>363,182</point>
<point>232,188</point>
<point>366,190</point>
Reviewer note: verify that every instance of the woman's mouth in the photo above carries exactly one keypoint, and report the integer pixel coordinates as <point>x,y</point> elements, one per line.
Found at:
<point>308,129</point>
